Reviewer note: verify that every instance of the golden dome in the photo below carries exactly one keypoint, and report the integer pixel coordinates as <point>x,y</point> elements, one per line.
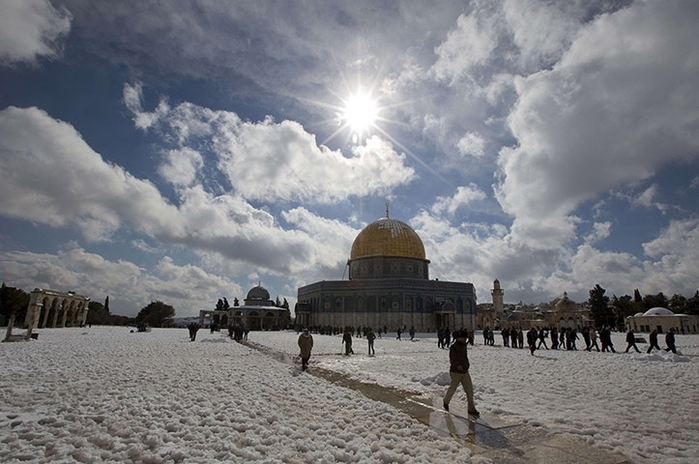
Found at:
<point>388,237</point>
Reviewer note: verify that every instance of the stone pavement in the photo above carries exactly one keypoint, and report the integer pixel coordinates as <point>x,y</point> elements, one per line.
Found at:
<point>494,437</point>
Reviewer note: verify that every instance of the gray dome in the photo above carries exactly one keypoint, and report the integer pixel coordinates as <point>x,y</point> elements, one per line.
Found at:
<point>258,293</point>
<point>658,311</point>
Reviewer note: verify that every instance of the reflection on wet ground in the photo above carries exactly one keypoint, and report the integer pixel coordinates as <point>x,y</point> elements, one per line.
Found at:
<point>490,436</point>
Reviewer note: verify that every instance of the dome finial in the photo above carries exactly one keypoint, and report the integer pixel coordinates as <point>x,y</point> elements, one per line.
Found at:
<point>387,210</point>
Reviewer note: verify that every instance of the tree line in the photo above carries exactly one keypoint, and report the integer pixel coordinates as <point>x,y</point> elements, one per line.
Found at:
<point>614,311</point>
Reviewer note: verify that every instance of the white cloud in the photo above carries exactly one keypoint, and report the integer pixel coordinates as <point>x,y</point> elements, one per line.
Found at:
<point>676,253</point>
<point>470,44</point>
<point>464,196</point>
<point>49,175</point>
<point>133,94</point>
<point>600,231</point>
<point>180,167</point>
<point>608,114</point>
<point>272,161</point>
<point>30,29</point>
<point>187,288</point>
<point>471,144</point>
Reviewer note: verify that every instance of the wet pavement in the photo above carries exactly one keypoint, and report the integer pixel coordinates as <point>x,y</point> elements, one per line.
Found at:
<point>490,436</point>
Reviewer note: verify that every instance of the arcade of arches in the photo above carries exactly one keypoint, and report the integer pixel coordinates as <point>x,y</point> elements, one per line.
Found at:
<point>51,308</point>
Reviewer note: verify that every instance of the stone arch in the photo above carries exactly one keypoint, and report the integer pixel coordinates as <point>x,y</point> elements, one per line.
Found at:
<point>52,308</point>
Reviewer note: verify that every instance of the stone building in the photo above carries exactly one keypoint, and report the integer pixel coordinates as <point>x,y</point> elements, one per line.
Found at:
<point>258,312</point>
<point>52,308</point>
<point>388,286</point>
<point>560,313</point>
<point>662,319</point>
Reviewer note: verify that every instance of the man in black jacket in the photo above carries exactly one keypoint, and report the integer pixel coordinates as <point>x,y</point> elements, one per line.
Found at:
<point>458,371</point>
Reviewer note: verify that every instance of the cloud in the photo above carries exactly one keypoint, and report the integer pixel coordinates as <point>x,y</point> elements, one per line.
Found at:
<point>133,94</point>
<point>181,167</point>
<point>471,144</point>
<point>187,288</point>
<point>30,29</point>
<point>600,231</point>
<point>675,253</point>
<point>462,197</point>
<point>270,161</point>
<point>49,175</point>
<point>608,114</point>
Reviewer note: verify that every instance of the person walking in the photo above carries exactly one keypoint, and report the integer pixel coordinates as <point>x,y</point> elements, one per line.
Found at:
<point>653,341</point>
<point>193,329</point>
<point>531,340</point>
<point>631,341</point>
<point>606,337</point>
<point>370,337</point>
<point>458,371</point>
<point>306,345</point>
<point>347,340</point>
<point>554,338</point>
<point>670,341</point>
<point>593,340</point>
<point>542,339</point>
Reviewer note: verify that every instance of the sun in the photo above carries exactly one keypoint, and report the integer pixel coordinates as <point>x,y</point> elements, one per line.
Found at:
<point>360,113</point>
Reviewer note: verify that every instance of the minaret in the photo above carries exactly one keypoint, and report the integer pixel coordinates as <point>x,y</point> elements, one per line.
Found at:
<point>497,297</point>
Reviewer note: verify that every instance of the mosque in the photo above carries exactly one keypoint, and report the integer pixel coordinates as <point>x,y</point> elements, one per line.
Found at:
<point>258,312</point>
<point>388,286</point>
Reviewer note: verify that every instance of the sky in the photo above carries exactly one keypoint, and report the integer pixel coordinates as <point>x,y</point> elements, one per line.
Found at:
<point>188,151</point>
<point>215,400</point>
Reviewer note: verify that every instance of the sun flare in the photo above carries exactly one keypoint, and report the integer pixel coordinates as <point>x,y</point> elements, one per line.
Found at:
<point>360,112</point>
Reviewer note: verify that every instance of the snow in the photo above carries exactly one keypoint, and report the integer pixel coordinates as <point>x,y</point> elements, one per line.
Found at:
<point>106,394</point>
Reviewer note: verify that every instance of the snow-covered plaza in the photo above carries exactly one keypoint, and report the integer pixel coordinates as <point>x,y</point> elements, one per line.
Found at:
<point>104,394</point>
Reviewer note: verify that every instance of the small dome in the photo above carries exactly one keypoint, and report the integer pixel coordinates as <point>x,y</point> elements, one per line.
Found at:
<point>388,237</point>
<point>258,293</point>
<point>639,314</point>
<point>658,311</point>
<point>565,303</point>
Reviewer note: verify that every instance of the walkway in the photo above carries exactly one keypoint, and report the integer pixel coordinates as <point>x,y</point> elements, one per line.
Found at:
<point>491,436</point>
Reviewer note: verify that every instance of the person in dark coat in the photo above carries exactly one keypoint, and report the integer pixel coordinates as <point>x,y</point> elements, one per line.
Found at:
<point>631,341</point>
<point>605,336</point>
<point>306,345</point>
<point>531,340</point>
<point>370,337</point>
<point>458,371</point>
<point>653,341</point>
<point>670,341</point>
<point>347,340</point>
<point>193,329</point>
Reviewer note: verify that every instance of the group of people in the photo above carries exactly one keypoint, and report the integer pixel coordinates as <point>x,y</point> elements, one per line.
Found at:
<point>567,338</point>
<point>458,360</point>
<point>652,341</point>
<point>458,350</point>
<point>445,337</point>
<point>238,332</point>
